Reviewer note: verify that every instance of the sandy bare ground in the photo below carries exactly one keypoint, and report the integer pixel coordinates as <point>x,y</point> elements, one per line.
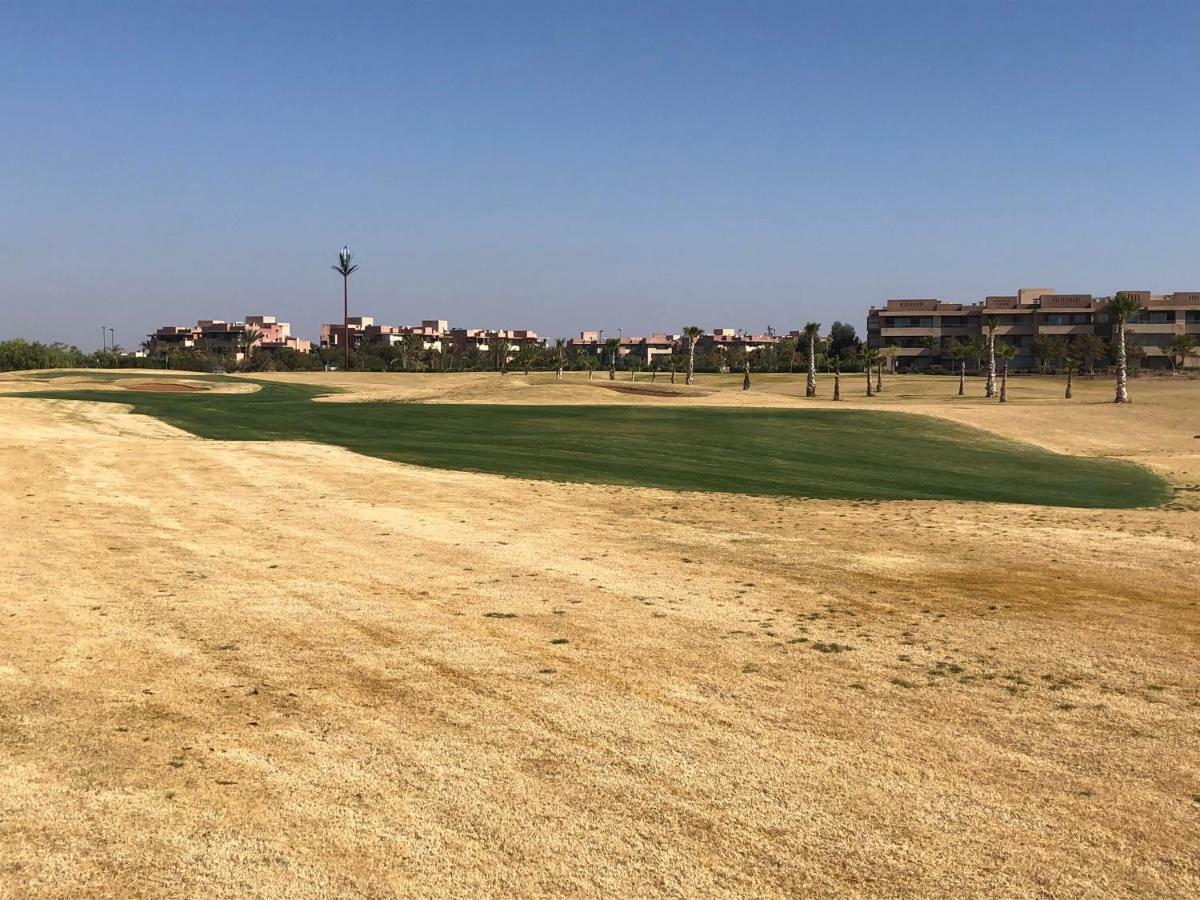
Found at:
<point>266,670</point>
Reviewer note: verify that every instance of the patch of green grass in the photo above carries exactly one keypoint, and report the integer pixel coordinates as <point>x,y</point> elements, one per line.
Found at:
<point>818,453</point>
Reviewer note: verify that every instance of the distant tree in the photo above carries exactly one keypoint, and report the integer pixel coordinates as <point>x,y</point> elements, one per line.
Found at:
<point>528,356</point>
<point>1180,346</point>
<point>976,345</point>
<point>1087,348</point>
<point>843,340</point>
<point>1006,352</point>
<point>501,350</point>
<point>558,357</point>
<point>870,356</point>
<point>692,333</point>
<point>811,333</point>
<point>1121,309</point>
<point>958,351</point>
<point>247,338</point>
<point>1072,368</point>
<point>611,346</point>
<point>1048,348</point>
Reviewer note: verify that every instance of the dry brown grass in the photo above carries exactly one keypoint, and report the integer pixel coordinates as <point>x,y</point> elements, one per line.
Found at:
<point>262,670</point>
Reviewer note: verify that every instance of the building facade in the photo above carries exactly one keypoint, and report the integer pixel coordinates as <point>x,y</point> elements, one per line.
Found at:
<point>219,336</point>
<point>920,333</point>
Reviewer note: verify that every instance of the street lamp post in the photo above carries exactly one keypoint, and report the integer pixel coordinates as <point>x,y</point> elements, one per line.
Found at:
<point>345,268</point>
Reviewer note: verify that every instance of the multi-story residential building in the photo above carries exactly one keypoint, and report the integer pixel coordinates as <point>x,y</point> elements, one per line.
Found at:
<point>434,334</point>
<point>919,332</point>
<point>219,336</point>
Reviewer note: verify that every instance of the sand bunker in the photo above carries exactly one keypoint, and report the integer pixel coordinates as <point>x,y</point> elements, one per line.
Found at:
<point>162,387</point>
<point>652,391</point>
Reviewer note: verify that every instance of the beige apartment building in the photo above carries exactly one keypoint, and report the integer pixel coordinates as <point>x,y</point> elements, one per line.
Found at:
<point>919,332</point>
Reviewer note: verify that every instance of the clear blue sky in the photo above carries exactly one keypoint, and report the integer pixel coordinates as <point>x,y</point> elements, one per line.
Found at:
<point>565,165</point>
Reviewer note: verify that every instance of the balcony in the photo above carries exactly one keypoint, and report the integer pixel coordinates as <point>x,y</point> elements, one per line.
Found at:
<point>927,330</point>
<point>1067,329</point>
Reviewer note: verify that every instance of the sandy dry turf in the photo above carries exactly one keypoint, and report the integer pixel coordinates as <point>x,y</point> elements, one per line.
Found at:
<point>261,670</point>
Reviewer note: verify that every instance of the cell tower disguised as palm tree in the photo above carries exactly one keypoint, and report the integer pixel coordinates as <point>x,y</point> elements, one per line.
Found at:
<point>345,268</point>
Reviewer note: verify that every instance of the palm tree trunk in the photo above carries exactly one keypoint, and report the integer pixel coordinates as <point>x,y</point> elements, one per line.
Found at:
<point>672,375</point>
<point>346,316</point>
<point>746,379</point>
<point>558,374</point>
<point>962,377</point>
<point>879,377</point>
<point>1122,373</point>
<point>691,369</point>
<point>1004,384</point>
<point>810,389</point>
<point>1069,377</point>
<point>837,385</point>
<point>868,371</point>
<point>991,377</point>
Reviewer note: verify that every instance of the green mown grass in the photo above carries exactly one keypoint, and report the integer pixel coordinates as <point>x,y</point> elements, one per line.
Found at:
<point>796,453</point>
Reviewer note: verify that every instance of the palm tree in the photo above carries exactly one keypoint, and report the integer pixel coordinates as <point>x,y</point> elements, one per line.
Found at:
<point>692,333</point>
<point>1072,368</point>
<point>559,357</point>
<point>408,349</point>
<point>870,356</point>
<point>837,377</point>
<point>992,322</point>
<point>247,339</point>
<point>1121,309</point>
<point>746,379</point>
<point>527,356</point>
<point>612,345</point>
<point>501,349</point>
<point>1006,352</point>
<point>959,352</point>
<point>811,331</point>
<point>346,268</point>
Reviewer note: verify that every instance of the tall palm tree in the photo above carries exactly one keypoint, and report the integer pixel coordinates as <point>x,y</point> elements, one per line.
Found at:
<point>501,349</point>
<point>248,338</point>
<point>870,356</point>
<point>346,268</point>
<point>959,352</point>
<point>1006,352</point>
<point>1121,309</point>
<point>692,333</point>
<point>1072,368</point>
<point>559,357</point>
<point>811,332</point>
<point>992,322</point>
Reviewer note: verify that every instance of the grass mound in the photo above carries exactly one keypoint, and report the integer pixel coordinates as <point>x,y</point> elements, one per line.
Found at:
<point>817,453</point>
